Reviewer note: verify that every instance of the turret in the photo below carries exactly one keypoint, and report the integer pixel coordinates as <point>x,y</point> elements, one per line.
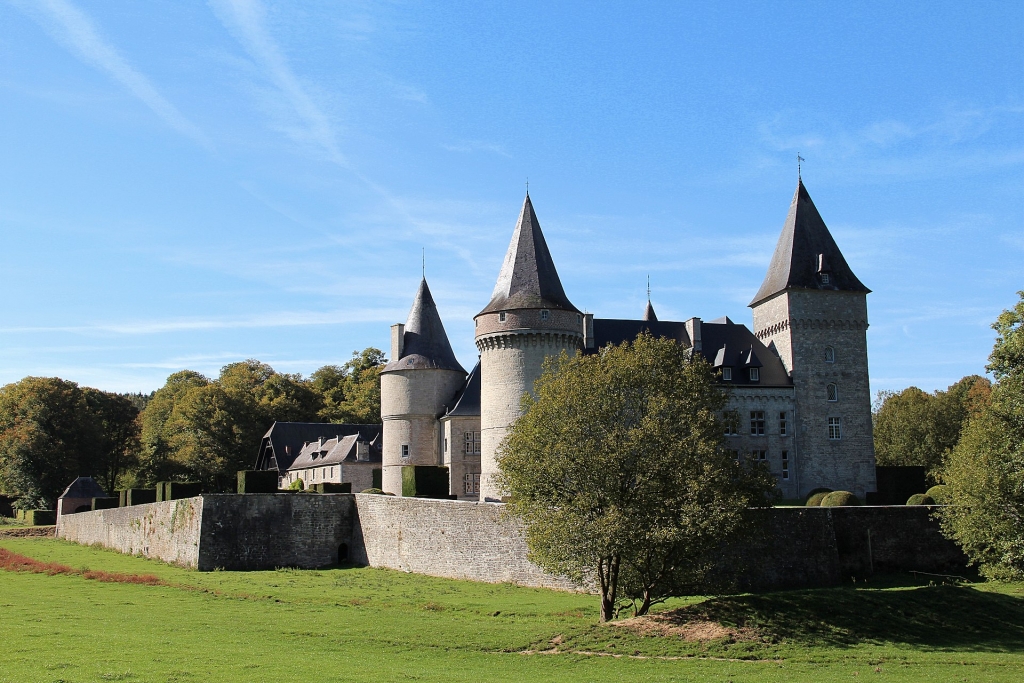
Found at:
<point>415,387</point>
<point>811,310</point>
<point>528,319</point>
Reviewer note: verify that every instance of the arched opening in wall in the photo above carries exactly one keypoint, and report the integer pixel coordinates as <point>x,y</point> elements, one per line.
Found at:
<point>343,553</point>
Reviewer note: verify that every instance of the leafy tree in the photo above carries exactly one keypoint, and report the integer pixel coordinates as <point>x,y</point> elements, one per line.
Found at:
<point>985,472</point>
<point>156,461</point>
<point>913,427</point>
<point>116,451</point>
<point>351,392</point>
<point>618,470</point>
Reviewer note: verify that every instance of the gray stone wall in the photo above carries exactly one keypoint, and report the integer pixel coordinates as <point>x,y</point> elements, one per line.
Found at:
<point>455,458</point>
<point>447,538</point>
<point>168,531</point>
<point>772,402</point>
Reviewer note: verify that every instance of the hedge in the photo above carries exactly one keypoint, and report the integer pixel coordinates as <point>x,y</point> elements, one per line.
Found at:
<point>176,490</point>
<point>257,481</point>
<point>839,499</point>
<point>333,487</point>
<point>40,517</point>
<point>374,491</point>
<point>104,503</point>
<point>139,496</point>
<point>920,499</point>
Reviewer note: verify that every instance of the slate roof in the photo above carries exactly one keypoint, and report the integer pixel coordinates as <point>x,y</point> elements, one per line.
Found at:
<point>528,278</point>
<point>426,343</point>
<point>335,451</point>
<point>649,314</point>
<point>612,331</point>
<point>467,403</point>
<point>84,487</point>
<point>805,250</point>
<point>284,441</point>
<point>727,344</point>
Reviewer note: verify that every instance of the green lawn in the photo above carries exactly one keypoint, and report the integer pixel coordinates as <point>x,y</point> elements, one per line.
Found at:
<point>378,625</point>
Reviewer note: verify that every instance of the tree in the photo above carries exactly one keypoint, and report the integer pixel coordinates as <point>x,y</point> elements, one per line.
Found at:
<point>618,470</point>
<point>985,472</point>
<point>116,452</point>
<point>913,427</point>
<point>351,392</point>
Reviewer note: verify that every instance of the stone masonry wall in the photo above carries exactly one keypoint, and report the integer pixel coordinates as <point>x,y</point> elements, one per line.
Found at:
<point>168,531</point>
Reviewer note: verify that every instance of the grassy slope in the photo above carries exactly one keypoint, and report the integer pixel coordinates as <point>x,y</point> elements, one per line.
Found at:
<point>367,624</point>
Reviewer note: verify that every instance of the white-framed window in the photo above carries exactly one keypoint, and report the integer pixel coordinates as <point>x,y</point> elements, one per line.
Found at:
<point>472,443</point>
<point>727,374</point>
<point>405,450</point>
<point>544,313</point>
<point>501,316</point>
<point>759,456</point>
<point>825,278</point>
<point>755,374</point>
<point>783,424</point>
<point>785,464</point>
<point>830,354</point>
<point>835,428</point>
<point>471,483</point>
<point>832,392</point>
<point>732,424</point>
<point>757,423</point>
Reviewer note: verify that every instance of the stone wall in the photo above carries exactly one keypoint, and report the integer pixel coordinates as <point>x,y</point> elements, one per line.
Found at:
<point>449,538</point>
<point>168,531</point>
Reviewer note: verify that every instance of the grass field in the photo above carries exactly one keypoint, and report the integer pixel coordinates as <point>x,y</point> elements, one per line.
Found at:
<point>362,624</point>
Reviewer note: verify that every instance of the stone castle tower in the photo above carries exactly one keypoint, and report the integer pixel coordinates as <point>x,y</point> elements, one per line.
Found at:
<point>812,311</point>
<point>528,318</point>
<point>415,387</point>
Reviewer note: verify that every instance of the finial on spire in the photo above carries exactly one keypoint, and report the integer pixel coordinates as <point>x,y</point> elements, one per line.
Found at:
<point>527,186</point>
<point>423,261</point>
<point>648,288</point>
<point>799,158</point>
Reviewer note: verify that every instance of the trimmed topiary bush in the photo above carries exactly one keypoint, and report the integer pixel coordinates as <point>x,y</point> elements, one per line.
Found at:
<point>139,496</point>
<point>257,481</point>
<point>176,490</point>
<point>938,493</point>
<point>920,499</point>
<point>333,487</point>
<point>103,503</point>
<point>815,499</point>
<point>815,492</point>
<point>378,492</point>
<point>839,499</point>
<point>40,517</point>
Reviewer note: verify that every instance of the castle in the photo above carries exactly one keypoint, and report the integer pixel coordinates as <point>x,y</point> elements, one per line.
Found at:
<point>798,383</point>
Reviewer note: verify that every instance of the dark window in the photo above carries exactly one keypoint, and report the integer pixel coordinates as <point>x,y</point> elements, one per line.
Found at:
<point>757,423</point>
<point>833,392</point>
<point>755,374</point>
<point>343,553</point>
<point>835,428</point>
<point>830,354</point>
<point>783,426</point>
<point>501,316</point>
<point>544,314</point>
<point>727,374</point>
<point>760,456</point>
<point>405,450</point>
<point>825,278</point>
<point>785,464</point>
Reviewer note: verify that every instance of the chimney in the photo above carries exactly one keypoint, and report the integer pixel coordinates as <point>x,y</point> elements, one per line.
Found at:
<point>397,340</point>
<point>588,330</point>
<point>693,329</point>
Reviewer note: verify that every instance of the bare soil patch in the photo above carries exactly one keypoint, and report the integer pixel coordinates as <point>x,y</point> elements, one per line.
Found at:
<point>685,626</point>
<point>27,531</point>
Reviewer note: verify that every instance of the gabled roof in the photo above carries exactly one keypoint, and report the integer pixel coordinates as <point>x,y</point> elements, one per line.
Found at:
<point>84,487</point>
<point>426,343</point>
<point>468,402</point>
<point>283,442</point>
<point>340,449</point>
<point>649,314</point>
<point>804,251</point>
<point>528,278</point>
<point>612,331</point>
<point>727,344</point>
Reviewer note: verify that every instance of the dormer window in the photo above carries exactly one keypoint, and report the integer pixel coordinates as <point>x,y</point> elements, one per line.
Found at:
<point>825,279</point>
<point>755,374</point>
<point>501,317</point>
<point>727,374</point>
<point>544,313</point>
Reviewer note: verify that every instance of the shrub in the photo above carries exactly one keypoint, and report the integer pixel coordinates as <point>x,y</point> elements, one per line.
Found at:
<point>103,503</point>
<point>40,517</point>
<point>920,499</point>
<point>296,485</point>
<point>938,493</point>
<point>333,487</point>
<point>257,481</point>
<point>839,499</point>
<point>140,496</point>
<point>378,492</point>
<point>815,499</point>
<point>176,490</point>
<point>815,492</point>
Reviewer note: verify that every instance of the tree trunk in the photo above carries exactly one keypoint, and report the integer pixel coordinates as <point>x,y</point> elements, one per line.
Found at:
<point>645,606</point>
<point>608,570</point>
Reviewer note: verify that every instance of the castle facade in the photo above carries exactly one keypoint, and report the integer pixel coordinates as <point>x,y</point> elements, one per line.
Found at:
<point>798,389</point>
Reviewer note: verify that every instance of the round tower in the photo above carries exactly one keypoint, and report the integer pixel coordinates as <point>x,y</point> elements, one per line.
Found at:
<point>528,319</point>
<point>415,388</point>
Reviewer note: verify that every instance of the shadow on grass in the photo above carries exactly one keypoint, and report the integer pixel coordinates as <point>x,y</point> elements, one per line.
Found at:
<point>936,616</point>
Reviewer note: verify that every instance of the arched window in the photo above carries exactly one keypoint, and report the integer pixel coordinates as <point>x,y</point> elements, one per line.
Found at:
<point>833,392</point>
<point>830,354</point>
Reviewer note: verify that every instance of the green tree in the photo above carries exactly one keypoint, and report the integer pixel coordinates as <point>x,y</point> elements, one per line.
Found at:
<point>619,472</point>
<point>351,392</point>
<point>156,461</point>
<point>985,472</point>
<point>116,452</point>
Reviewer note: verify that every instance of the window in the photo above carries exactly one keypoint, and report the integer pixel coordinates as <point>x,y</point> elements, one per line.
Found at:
<point>405,450</point>
<point>471,483</point>
<point>472,443</point>
<point>755,374</point>
<point>446,444</point>
<point>757,423</point>
<point>544,313</point>
<point>759,456</point>
<point>832,391</point>
<point>825,279</point>
<point>830,354</point>
<point>732,424</point>
<point>735,454</point>
<point>501,316</point>
<point>835,428</point>
<point>727,374</point>
<point>785,464</point>
<point>783,425</point>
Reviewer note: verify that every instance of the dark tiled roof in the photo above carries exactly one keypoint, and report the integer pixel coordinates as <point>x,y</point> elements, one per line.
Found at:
<point>611,331</point>
<point>726,344</point>
<point>649,314</point>
<point>334,451</point>
<point>426,343</point>
<point>528,278</point>
<point>84,487</point>
<point>804,251</point>
<point>468,402</point>
<point>283,442</point>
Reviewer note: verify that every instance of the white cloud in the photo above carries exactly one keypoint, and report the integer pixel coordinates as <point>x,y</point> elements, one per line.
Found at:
<point>73,29</point>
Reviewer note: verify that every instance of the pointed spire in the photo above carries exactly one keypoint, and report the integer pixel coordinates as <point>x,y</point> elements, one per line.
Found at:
<point>806,256</point>
<point>649,314</point>
<point>528,278</point>
<point>426,343</point>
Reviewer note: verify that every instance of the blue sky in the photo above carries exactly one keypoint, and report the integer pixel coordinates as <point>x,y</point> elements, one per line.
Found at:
<point>187,184</point>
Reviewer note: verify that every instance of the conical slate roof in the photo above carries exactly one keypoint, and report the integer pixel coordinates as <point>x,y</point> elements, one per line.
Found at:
<point>806,250</point>
<point>528,278</point>
<point>426,343</point>
<point>649,314</point>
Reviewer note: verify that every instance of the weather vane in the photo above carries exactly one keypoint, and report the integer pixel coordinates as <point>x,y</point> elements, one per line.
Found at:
<point>423,261</point>
<point>798,160</point>
<point>527,186</point>
<point>648,288</point>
